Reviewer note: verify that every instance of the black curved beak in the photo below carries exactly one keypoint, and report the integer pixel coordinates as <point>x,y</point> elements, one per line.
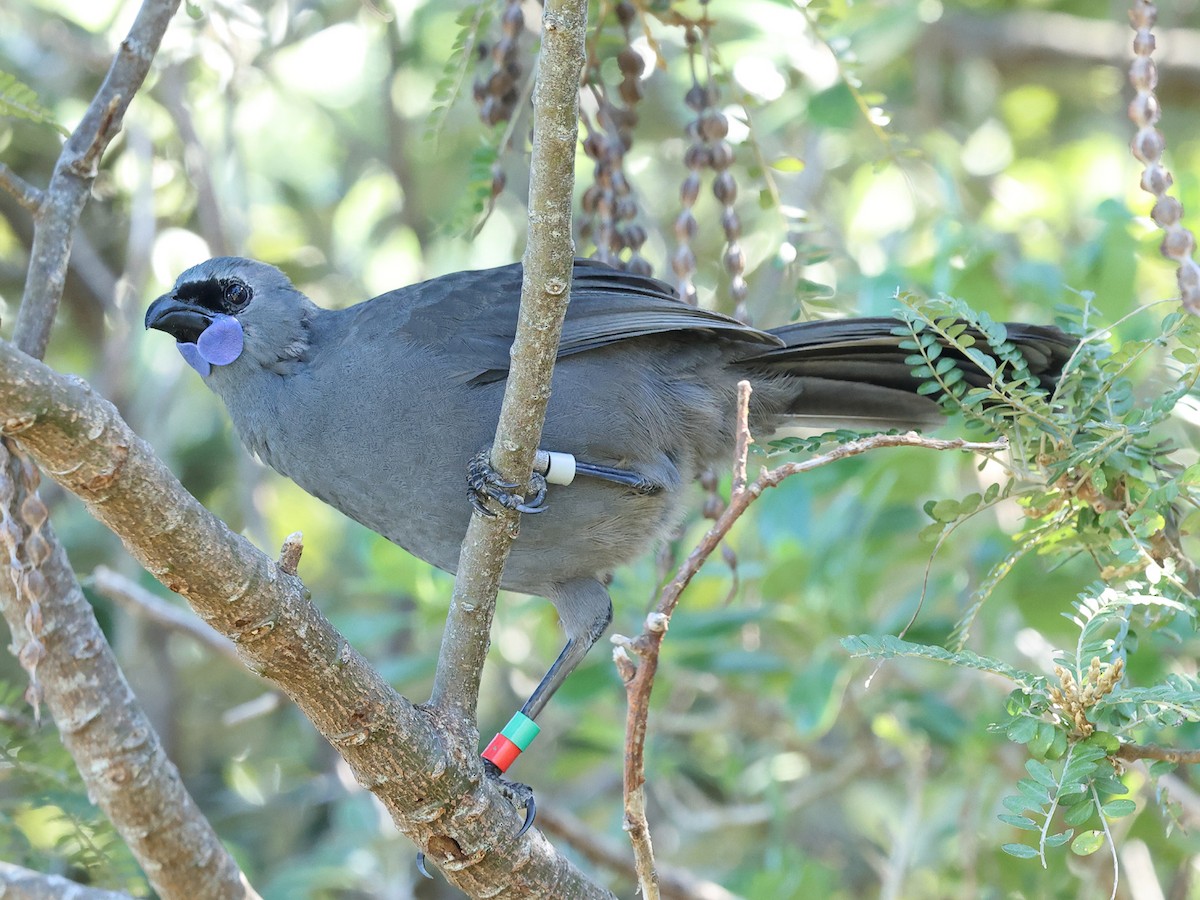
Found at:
<point>181,319</point>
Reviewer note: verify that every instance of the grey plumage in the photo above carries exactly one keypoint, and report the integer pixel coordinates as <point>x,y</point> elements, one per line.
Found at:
<point>376,409</point>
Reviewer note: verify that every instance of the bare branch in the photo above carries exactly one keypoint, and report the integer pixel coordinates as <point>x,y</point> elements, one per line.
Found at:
<point>73,671</point>
<point>139,602</point>
<point>414,760</point>
<point>25,193</point>
<point>1165,754</point>
<point>17,883</point>
<point>58,640</point>
<point>70,185</point>
<point>639,681</point>
<point>676,884</point>
<point>545,292</point>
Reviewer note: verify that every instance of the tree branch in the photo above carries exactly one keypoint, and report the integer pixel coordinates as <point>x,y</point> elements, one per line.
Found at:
<point>17,883</point>
<point>57,638</point>
<point>639,678</point>
<point>71,183</point>
<point>22,191</point>
<point>417,762</point>
<point>142,604</point>
<point>676,884</point>
<point>545,292</point>
<point>1131,752</point>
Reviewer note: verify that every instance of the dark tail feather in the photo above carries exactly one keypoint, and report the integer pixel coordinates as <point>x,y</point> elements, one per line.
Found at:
<point>853,371</point>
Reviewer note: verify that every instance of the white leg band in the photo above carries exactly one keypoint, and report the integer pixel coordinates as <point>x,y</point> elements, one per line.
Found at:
<point>559,468</point>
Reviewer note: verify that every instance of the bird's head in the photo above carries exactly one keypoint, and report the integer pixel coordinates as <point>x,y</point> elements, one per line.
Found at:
<point>229,309</point>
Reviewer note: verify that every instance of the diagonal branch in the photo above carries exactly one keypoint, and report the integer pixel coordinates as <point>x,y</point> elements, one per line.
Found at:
<point>639,677</point>
<point>22,191</point>
<point>18,883</point>
<point>70,184</point>
<point>55,633</point>
<point>139,602</point>
<point>545,292</point>
<point>415,761</point>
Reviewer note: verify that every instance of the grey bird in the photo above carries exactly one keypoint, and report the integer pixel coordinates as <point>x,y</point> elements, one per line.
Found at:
<point>381,409</point>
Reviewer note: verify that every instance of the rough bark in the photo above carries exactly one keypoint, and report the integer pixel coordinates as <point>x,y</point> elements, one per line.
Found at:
<point>419,763</point>
<point>545,292</point>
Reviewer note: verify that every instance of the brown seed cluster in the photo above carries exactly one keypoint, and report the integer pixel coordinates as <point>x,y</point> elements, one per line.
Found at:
<point>1148,145</point>
<point>708,149</point>
<point>1073,700</point>
<point>611,210</point>
<point>498,93</point>
<point>609,204</point>
<point>28,550</point>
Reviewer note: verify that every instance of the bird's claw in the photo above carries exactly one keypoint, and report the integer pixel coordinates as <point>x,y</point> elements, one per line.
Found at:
<point>421,865</point>
<point>518,794</point>
<point>484,483</point>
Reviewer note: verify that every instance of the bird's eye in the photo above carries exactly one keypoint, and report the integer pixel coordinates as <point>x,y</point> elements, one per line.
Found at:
<point>237,295</point>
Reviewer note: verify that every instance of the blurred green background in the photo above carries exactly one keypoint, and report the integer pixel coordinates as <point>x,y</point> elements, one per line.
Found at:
<point>311,135</point>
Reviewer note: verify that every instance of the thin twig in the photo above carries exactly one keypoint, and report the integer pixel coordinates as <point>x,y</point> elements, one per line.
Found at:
<point>676,884</point>
<point>71,183</point>
<point>639,679</point>
<point>71,667</point>
<point>25,884</point>
<point>139,602</point>
<point>1165,754</point>
<point>545,291</point>
<point>26,194</point>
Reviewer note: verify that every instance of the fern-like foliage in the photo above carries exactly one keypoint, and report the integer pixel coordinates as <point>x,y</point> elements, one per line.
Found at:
<point>47,821</point>
<point>472,22</point>
<point>19,101</point>
<point>888,647</point>
<point>1089,463</point>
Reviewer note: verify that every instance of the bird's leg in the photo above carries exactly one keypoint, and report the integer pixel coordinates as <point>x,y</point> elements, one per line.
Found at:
<point>626,477</point>
<point>562,468</point>
<point>484,483</point>
<point>586,612</point>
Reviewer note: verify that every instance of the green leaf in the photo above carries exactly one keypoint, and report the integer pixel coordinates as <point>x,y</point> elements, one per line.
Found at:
<point>1040,773</point>
<point>1023,822</point>
<point>1058,746</point>
<point>1087,843</point>
<point>1057,840</point>
<point>1020,851</point>
<point>1037,795</point>
<point>1018,805</point>
<point>788,164</point>
<point>1040,744</point>
<point>1115,809</point>
<point>888,647</point>
<point>1022,730</point>
<point>1161,767</point>
<point>20,101</point>
<point>1079,813</point>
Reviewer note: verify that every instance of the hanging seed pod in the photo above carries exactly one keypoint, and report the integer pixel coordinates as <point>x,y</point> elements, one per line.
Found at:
<point>1147,147</point>
<point>610,204</point>
<point>708,149</point>
<point>497,92</point>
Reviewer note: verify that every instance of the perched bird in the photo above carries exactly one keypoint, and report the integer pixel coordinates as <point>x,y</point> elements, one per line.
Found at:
<point>382,409</point>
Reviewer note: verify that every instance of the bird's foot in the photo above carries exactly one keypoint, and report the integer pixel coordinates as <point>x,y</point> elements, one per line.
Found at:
<point>519,795</point>
<point>484,483</point>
